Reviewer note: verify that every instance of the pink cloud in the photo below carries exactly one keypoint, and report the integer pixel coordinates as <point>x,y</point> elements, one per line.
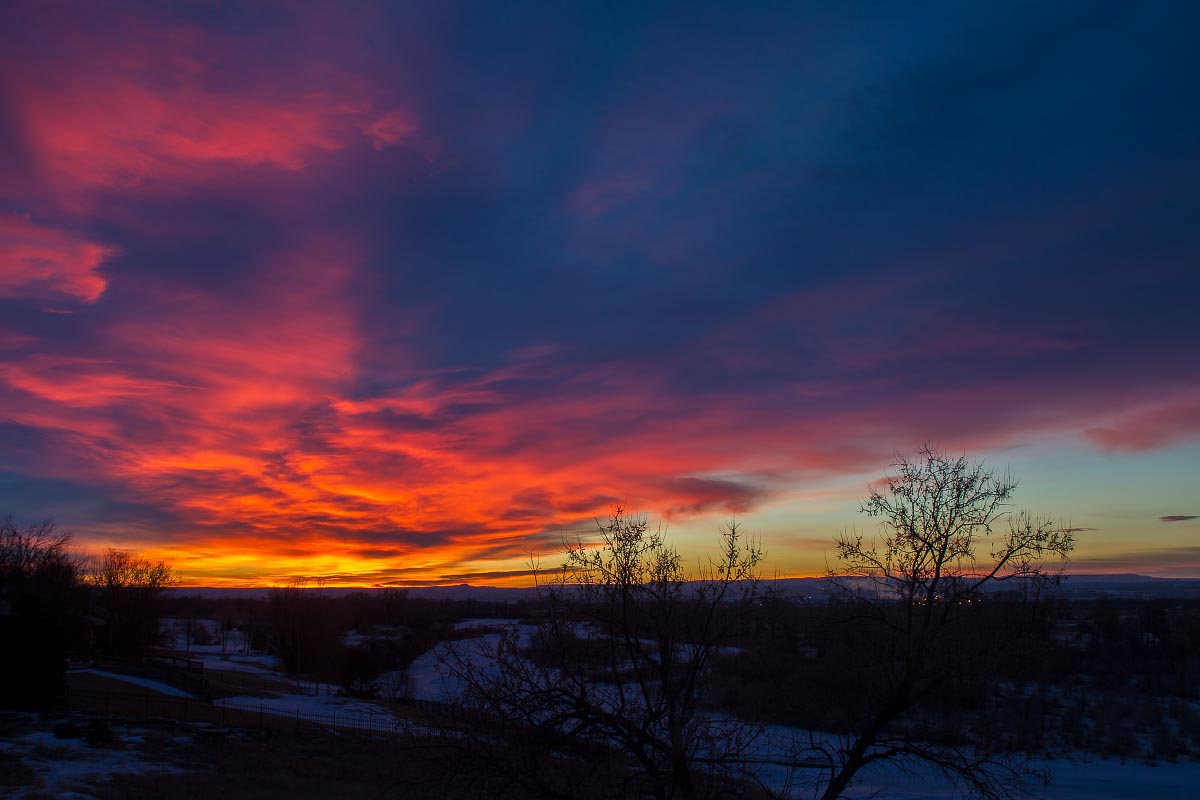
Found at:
<point>136,102</point>
<point>1151,426</point>
<point>36,260</point>
<point>391,128</point>
<point>288,336</point>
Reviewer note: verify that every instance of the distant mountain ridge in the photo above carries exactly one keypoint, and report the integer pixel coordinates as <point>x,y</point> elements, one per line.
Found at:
<point>1074,586</point>
<point>1130,585</point>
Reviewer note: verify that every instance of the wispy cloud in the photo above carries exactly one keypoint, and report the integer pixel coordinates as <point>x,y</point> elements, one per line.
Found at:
<point>37,260</point>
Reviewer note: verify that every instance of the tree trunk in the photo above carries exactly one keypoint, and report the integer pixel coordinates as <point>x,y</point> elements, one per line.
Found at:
<point>681,777</point>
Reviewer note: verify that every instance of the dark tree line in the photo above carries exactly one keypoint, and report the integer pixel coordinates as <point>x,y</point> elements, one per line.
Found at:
<point>41,611</point>
<point>338,636</point>
<point>127,592</point>
<point>54,601</point>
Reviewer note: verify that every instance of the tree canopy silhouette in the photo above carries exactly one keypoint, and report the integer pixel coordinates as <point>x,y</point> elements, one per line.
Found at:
<point>919,593</point>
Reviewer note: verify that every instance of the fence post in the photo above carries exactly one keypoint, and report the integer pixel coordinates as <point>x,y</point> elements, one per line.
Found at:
<point>369,723</point>
<point>260,716</point>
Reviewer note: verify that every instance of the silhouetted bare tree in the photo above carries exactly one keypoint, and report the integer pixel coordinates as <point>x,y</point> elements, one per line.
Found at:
<point>40,611</point>
<point>918,596</point>
<point>616,671</point>
<point>128,590</point>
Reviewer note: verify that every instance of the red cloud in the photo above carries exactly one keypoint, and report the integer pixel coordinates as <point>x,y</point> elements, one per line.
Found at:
<point>75,382</point>
<point>119,101</point>
<point>287,338</point>
<point>35,260</point>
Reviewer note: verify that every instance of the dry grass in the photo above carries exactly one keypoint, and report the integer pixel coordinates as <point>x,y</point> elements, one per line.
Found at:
<point>221,683</point>
<point>14,773</point>
<point>87,682</point>
<point>216,764</point>
<point>165,760</point>
<point>232,683</point>
<point>256,768</point>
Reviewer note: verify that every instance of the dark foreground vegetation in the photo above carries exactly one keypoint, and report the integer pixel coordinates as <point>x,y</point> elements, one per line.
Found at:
<point>941,645</point>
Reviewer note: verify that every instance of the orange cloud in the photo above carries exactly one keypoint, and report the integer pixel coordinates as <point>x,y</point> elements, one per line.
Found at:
<point>76,382</point>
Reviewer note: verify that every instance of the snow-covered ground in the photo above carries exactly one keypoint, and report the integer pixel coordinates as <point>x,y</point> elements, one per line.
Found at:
<point>433,680</point>
<point>1099,779</point>
<point>1070,779</point>
<point>1112,779</point>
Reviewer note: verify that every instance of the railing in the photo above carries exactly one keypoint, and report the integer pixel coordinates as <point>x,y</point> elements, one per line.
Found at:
<point>176,661</point>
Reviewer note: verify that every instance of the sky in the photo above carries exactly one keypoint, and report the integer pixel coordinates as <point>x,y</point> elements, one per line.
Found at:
<point>407,293</point>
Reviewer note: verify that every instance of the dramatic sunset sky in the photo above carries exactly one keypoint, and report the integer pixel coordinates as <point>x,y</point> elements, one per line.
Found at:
<point>400,293</point>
